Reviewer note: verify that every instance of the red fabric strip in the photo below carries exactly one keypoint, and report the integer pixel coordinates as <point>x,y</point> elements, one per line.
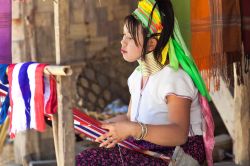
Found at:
<point>39,98</point>
<point>51,106</point>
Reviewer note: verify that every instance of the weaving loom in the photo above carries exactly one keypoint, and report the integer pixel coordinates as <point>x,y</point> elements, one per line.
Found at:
<point>91,128</point>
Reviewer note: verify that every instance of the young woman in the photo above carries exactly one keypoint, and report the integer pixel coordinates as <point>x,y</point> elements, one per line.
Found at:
<point>165,108</point>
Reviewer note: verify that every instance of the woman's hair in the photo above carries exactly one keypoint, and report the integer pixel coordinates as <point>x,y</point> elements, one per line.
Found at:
<point>167,19</point>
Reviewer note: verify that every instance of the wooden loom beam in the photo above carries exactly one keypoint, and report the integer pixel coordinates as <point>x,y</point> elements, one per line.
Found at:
<point>62,122</point>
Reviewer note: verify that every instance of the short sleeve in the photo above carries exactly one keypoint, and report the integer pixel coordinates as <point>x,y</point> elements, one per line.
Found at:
<point>178,83</point>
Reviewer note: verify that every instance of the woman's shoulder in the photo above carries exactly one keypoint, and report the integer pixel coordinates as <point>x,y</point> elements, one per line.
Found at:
<point>175,81</point>
<point>169,73</point>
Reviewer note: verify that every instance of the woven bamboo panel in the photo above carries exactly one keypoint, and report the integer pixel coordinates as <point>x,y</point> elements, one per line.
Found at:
<point>103,80</point>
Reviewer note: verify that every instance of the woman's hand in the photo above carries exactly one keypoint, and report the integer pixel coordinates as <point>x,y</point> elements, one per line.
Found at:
<point>117,132</point>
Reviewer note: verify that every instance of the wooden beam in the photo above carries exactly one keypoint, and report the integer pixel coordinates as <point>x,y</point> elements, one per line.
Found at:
<point>58,70</point>
<point>224,102</point>
<point>63,122</point>
<point>235,112</point>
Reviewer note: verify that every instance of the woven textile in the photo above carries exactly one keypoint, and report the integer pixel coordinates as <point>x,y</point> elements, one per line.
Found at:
<point>216,37</point>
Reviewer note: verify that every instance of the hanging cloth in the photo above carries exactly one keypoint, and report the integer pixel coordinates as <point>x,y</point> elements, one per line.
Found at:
<point>216,38</point>
<point>32,94</point>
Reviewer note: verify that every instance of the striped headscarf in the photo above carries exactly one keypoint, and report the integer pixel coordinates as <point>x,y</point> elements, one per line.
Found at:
<point>143,13</point>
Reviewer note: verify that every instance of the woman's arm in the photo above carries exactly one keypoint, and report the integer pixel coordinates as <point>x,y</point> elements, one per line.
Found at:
<point>172,134</point>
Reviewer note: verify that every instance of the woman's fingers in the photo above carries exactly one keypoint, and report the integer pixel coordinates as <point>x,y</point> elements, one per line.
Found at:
<point>103,137</point>
<point>110,142</point>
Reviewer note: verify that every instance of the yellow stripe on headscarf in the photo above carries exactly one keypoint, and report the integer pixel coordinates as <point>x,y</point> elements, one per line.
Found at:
<point>164,54</point>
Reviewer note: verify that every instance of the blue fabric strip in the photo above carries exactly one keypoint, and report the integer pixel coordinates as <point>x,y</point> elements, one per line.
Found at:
<point>25,89</point>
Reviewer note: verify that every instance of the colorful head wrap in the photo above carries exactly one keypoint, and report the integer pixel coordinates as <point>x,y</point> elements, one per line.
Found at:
<point>149,15</point>
<point>143,13</point>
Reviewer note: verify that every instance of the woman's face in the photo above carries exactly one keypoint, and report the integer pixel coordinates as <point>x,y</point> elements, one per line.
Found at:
<point>130,51</point>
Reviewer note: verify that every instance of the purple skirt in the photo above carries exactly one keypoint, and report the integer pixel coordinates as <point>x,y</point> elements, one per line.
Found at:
<point>122,156</point>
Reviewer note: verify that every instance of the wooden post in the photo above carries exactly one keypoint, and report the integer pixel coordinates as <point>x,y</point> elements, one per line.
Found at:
<point>235,112</point>
<point>63,122</point>
<point>241,146</point>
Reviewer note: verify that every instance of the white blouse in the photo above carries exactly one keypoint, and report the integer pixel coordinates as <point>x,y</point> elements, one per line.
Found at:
<point>150,106</point>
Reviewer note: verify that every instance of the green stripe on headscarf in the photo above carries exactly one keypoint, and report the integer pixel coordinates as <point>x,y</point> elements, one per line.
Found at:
<point>172,56</point>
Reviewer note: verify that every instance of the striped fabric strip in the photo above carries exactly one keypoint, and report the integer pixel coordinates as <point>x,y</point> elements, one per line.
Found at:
<point>91,128</point>
<point>5,31</point>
